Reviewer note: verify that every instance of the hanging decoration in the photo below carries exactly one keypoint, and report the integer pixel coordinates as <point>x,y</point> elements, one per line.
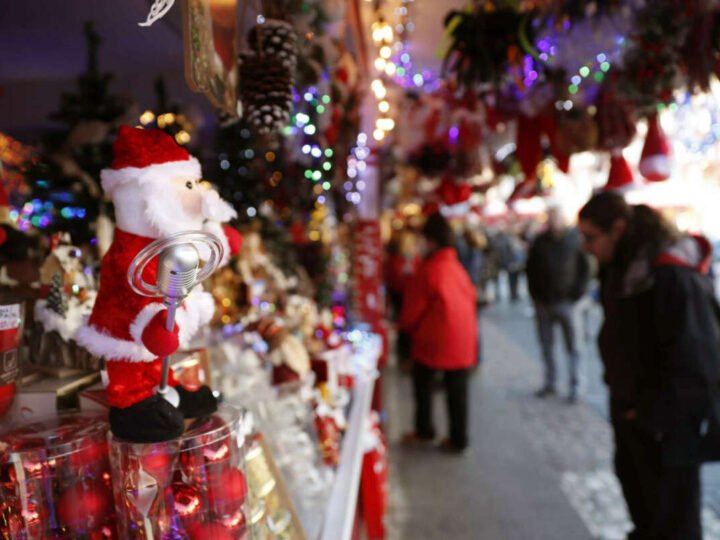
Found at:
<point>210,37</point>
<point>655,163</point>
<point>620,175</point>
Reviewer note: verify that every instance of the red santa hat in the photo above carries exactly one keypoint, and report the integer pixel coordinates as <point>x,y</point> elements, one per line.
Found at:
<point>655,159</point>
<point>145,156</point>
<point>620,175</point>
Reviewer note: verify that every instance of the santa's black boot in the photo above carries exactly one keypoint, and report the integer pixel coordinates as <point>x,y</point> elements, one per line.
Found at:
<point>197,404</point>
<point>151,420</point>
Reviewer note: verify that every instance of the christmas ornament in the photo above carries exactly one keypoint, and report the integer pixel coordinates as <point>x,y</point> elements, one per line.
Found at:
<point>266,91</point>
<point>655,164</point>
<point>57,301</point>
<point>615,119</point>
<point>266,75</point>
<point>154,185</point>
<point>90,456</point>
<point>85,506</point>
<point>210,531</point>
<point>620,175</point>
<point>275,38</point>
<point>7,395</point>
<point>227,489</point>
<point>187,504</point>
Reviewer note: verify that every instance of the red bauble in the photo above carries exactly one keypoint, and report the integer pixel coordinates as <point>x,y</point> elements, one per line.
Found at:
<point>85,506</point>
<point>157,464</point>
<point>187,501</point>
<point>7,395</point>
<point>209,531</point>
<point>234,522</point>
<point>92,453</point>
<point>227,489</point>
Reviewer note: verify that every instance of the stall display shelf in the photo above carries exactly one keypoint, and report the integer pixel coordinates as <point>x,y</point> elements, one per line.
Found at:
<point>340,513</point>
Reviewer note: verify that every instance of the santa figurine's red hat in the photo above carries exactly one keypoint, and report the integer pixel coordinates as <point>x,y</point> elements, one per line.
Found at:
<point>655,164</point>
<point>621,175</point>
<point>147,155</point>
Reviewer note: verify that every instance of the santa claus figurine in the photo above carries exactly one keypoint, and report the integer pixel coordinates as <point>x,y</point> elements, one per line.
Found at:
<point>155,187</point>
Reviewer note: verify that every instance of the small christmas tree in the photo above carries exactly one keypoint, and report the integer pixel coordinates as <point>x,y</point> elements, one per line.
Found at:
<point>57,300</point>
<point>63,179</point>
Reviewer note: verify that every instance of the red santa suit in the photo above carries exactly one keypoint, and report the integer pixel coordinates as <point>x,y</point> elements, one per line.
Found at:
<point>153,183</point>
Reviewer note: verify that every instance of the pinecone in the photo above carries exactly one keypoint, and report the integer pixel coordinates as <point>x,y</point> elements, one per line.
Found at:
<point>277,39</point>
<point>266,91</point>
<point>57,301</point>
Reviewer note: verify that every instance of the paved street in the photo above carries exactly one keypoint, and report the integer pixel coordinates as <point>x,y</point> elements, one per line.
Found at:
<point>537,470</point>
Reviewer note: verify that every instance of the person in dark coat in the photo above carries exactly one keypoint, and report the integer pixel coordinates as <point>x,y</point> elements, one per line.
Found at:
<point>660,346</point>
<point>558,274</point>
<point>439,311</point>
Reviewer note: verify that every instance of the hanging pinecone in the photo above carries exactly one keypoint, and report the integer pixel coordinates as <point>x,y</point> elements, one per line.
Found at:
<point>57,301</point>
<point>266,90</point>
<point>277,38</point>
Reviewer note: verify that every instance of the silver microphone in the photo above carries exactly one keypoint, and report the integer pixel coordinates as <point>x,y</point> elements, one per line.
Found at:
<point>178,267</point>
<point>178,272</point>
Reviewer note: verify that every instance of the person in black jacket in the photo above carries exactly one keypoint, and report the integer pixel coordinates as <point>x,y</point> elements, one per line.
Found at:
<point>558,273</point>
<point>660,346</point>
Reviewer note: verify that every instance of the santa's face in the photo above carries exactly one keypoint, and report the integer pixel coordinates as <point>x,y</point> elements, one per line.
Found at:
<point>188,192</point>
<point>187,204</point>
<point>164,201</point>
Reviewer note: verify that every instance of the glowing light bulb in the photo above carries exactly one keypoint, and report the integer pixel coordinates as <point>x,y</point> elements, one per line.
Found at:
<point>390,68</point>
<point>385,52</point>
<point>386,124</point>
<point>380,64</point>
<point>383,106</point>
<point>147,117</point>
<point>378,134</point>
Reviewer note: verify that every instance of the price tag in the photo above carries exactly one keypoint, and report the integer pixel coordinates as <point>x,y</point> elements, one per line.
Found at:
<point>9,316</point>
<point>10,324</point>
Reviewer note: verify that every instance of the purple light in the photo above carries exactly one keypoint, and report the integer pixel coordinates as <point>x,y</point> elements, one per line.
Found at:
<point>453,135</point>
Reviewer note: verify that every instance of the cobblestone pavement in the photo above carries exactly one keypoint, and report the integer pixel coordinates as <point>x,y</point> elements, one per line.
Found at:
<point>568,448</point>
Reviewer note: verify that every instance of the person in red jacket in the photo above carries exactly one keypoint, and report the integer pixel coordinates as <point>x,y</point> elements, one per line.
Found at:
<point>439,313</point>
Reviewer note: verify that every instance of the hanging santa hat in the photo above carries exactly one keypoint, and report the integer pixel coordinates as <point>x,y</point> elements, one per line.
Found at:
<point>655,159</point>
<point>146,156</point>
<point>621,176</point>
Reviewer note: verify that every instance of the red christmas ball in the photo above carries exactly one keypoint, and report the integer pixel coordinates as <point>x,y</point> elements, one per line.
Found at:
<point>187,501</point>
<point>234,522</point>
<point>227,489</point>
<point>209,531</point>
<point>7,395</point>
<point>191,462</point>
<point>85,505</point>
<point>157,464</point>
<point>91,453</point>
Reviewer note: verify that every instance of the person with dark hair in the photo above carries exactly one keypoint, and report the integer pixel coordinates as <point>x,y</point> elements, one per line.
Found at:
<point>660,346</point>
<point>439,312</point>
<point>558,274</point>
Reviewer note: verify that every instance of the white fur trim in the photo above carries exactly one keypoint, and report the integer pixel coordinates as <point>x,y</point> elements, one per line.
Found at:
<point>111,178</point>
<point>137,327</point>
<point>196,312</point>
<point>213,227</point>
<point>111,348</point>
<point>656,167</point>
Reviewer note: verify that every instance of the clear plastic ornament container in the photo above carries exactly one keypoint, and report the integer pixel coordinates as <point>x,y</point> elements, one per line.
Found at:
<point>189,488</point>
<point>55,480</point>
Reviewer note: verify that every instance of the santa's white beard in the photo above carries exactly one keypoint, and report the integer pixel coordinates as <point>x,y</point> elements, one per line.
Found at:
<point>155,213</point>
